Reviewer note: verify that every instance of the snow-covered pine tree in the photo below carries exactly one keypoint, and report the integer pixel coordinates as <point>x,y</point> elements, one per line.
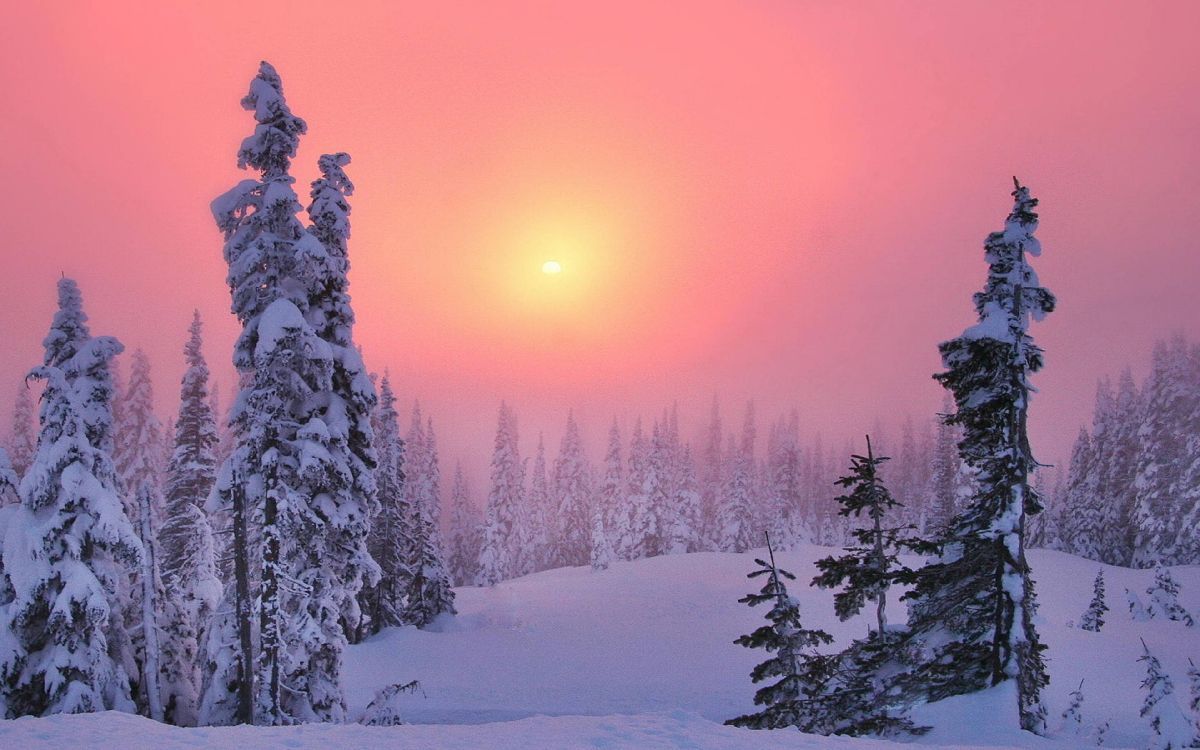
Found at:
<point>22,440</point>
<point>347,400</point>
<point>1137,610</point>
<point>601,554</point>
<point>944,483</point>
<point>465,536</point>
<point>138,437</point>
<point>1170,727</point>
<point>59,628</point>
<point>656,491</point>
<point>430,591</point>
<point>610,495</point>
<point>152,600</point>
<point>712,477</point>
<point>1093,618</point>
<point>1164,599</point>
<point>393,535</point>
<point>1194,688</point>
<point>786,516</point>
<point>1171,409</point>
<point>302,465</point>
<point>1120,472</point>
<point>1073,715</point>
<point>572,495</point>
<point>634,529</point>
<point>540,512</point>
<point>801,671</point>
<point>685,523</point>
<point>505,533</point>
<point>8,485</point>
<point>188,552</point>
<point>977,601</point>
<point>735,516</point>
<point>872,565</point>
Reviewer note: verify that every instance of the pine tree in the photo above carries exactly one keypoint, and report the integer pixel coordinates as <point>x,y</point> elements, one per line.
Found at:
<point>712,478</point>
<point>735,516</point>
<point>301,471</point>
<point>393,530</point>
<point>978,599</point>
<point>1171,729</point>
<point>59,625</point>
<point>635,529</point>
<point>944,484</point>
<point>22,442</point>
<point>1093,618</point>
<point>1164,599</point>
<point>685,521</point>
<point>801,672</point>
<point>1194,687</point>
<point>465,532</point>
<point>429,590</point>
<point>539,511</point>
<point>1171,409</point>
<point>1073,715</point>
<point>601,553</point>
<point>153,596</point>
<point>138,437</point>
<point>8,483</point>
<point>505,534</point>
<point>572,493</point>
<point>610,495</point>
<point>188,559</point>
<point>1137,610</point>
<point>872,565</point>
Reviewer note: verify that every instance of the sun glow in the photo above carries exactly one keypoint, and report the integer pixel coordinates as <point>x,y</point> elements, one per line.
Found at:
<point>552,266</point>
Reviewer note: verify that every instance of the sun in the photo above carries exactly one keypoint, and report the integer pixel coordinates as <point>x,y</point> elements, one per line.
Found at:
<point>552,267</point>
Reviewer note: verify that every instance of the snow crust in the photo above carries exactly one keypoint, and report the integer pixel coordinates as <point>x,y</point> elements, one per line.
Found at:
<point>641,655</point>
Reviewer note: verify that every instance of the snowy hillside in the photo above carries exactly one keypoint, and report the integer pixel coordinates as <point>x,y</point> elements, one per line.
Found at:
<point>641,656</point>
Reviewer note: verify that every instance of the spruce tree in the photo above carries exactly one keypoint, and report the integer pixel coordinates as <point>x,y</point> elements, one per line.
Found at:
<point>301,471</point>
<point>1170,728</point>
<point>572,493</point>
<point>465,532</point>
<point>610,495</point>
<point>430,591</point>
<point>735,517</point>
<point>393,531</point>
<point>188,557</point>
<point>872,565</point>
<point>601,554</point>
<point>1093,618</point>
<point>60,626</point>
<point>712,477</point>
<point>635,530</point>
<point>1171,409</point>
<point>1073,715</point>
<point>944,483</point>
<point>138,438</point>
<point>975,605</point>
<point>505,534</point>
<point>22,441</point>
<point>685,521</point>
<point>798,671</point>
<point>1164,599</point>
<point>540,512</point>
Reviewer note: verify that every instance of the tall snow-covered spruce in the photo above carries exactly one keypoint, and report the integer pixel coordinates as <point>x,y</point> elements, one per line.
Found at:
<point>301,470</point>
<point>188,564</point>
<point>973,608</point>
<point>70,539</point>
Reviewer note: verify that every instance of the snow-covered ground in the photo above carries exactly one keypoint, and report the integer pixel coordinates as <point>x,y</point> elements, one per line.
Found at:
<point>641,656</point>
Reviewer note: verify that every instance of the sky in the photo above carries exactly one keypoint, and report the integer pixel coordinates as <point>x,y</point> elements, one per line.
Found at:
<point>778,201</point>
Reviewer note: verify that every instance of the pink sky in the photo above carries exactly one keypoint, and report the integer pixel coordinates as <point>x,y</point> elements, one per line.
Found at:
<point>783,201</point>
